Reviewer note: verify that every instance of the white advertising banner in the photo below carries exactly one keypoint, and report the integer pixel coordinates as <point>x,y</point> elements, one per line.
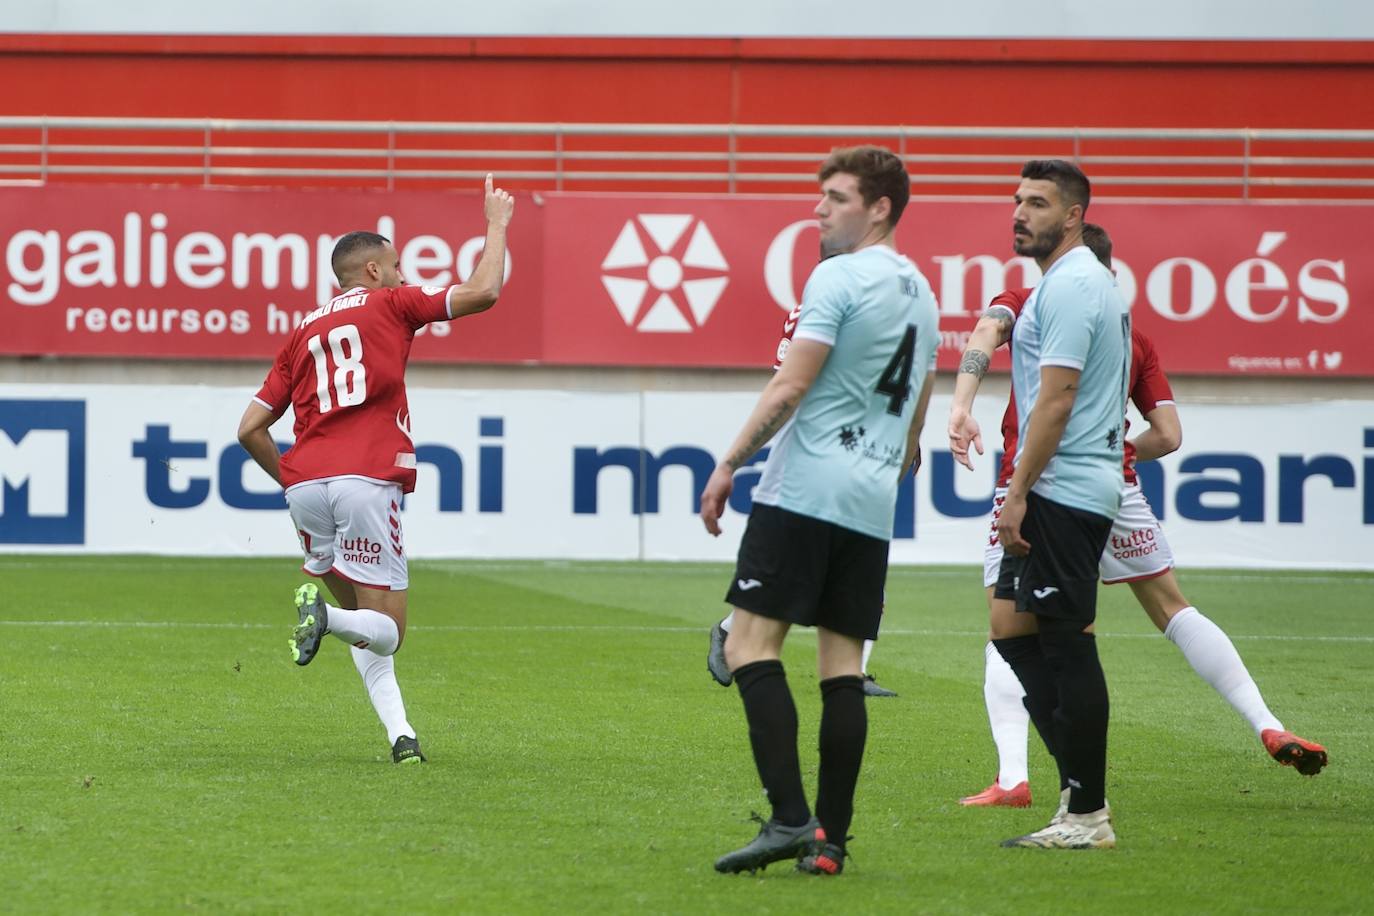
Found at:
<point>583,475</point>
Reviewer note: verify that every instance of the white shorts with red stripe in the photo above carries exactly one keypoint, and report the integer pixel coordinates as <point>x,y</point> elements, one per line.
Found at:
<point>1136,549</point>
<point>992,550</point>
<point>351,526</point>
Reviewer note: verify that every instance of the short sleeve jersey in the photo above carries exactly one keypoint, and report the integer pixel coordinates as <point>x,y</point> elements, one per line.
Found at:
<point>789,327</point>
<point>343,372</point>
<point>1077,319</point>
<point>839,457</point>
<point>1149,388</point>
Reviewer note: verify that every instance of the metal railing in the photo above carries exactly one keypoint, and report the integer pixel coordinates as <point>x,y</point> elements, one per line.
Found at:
<point>1241,163</point>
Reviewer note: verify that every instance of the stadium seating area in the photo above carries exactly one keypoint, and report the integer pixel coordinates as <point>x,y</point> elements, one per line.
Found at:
<point>1263,120</point>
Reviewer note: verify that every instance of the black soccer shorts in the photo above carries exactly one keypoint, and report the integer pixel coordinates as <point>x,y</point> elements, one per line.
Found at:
<point>1058,578</point>
<point>811,572</point>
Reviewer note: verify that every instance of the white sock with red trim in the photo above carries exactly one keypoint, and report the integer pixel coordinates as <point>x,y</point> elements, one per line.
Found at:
<point>1214,657</point>
<point>364,629</point>
<point>1007,717</point>
<point>379,677</point>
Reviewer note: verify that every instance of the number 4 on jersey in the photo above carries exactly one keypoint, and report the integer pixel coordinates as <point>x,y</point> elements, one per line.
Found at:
<point>895,382</point>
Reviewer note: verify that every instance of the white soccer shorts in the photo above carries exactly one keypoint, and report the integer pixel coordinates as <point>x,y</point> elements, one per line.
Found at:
<point>1136,549</point>
<point>352,526</point>
<point>992,551</point>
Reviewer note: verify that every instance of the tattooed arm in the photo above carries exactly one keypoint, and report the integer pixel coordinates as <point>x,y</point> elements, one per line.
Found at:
<point>775,406</point>
<point>991,331</point>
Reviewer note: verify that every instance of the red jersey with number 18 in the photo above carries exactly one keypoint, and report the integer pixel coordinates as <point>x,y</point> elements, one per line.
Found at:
<point>343,372</point>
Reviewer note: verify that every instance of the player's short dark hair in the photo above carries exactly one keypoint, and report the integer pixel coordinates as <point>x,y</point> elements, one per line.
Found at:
<point>1073,185</point>
<point>1099,243</point>
<point>880,173</point>
<point>351,244</point>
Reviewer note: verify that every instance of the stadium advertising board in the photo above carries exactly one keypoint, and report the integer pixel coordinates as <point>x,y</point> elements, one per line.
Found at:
<point>227,274</point>
<point>521,474</point>
<point>692,281</point>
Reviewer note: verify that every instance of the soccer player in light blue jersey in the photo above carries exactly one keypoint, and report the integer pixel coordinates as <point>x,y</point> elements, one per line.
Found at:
<point>847,406</point>
<point>1071,364</point>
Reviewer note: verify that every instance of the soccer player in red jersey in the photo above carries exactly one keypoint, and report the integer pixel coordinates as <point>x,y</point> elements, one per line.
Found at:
<point>1137,553</point>
<point>342,371</point>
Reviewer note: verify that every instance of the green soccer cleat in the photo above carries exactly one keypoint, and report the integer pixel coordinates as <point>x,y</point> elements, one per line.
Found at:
<point>407,750</point>
<point>313,624</point>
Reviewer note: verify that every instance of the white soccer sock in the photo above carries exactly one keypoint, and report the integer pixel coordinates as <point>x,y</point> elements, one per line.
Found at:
<point>376,631</point>
<point>379,677</point>
<point>727,622</point>
<point>1210,651</point>
<point>868,651</point>
<point>1007,717</point>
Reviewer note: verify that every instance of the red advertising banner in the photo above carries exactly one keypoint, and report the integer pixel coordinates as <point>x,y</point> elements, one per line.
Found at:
<point>227,273</point>
<point>1221,289</point>
<point>638,280</point>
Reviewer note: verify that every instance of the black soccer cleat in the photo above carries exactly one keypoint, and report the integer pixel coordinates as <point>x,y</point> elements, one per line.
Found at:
<point>715,659</point>
<point>822,859</point>
<point>407,750</point>
<point>313,623</point>
<point>776,841</point>
<point>873,689</point>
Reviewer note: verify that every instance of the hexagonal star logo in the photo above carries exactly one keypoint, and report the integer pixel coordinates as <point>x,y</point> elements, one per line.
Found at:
<point>665,273</point>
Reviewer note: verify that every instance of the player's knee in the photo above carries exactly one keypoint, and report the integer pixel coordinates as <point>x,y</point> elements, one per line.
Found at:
<point>1159,615</point>
<point>1065,642</point>
<point>736,654</point>
<point>1014,649</point>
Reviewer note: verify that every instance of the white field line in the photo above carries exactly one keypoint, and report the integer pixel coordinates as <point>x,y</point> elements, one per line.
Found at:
<point>905,572</point>
<point>669,568</point>
<point>597,628</point>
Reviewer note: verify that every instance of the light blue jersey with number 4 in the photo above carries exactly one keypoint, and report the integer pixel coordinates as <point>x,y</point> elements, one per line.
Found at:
<point>839,458</point>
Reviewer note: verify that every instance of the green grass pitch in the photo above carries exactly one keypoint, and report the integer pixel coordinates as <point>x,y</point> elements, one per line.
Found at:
<point>162,753</point>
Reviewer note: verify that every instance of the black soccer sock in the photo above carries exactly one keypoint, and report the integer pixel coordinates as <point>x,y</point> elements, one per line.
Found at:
<point>1081,718</point>
<point>772,720</point>
<point>1027,660</point>
<point>844,729</point>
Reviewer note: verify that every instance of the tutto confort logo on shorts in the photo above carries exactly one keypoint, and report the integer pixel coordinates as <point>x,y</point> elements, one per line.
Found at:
<point>43,469</point>
<point>361,550</point>
<point>1139,544</point>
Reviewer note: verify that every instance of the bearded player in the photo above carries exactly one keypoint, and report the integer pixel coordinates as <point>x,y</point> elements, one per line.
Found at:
<point>1137,554</point>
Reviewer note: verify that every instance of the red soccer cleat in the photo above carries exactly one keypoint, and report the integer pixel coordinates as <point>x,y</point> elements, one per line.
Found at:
<point>1307,757</point>
<point>994,796</point>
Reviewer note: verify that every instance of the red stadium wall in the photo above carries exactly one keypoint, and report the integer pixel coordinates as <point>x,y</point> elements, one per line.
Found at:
<point>929,82</point>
